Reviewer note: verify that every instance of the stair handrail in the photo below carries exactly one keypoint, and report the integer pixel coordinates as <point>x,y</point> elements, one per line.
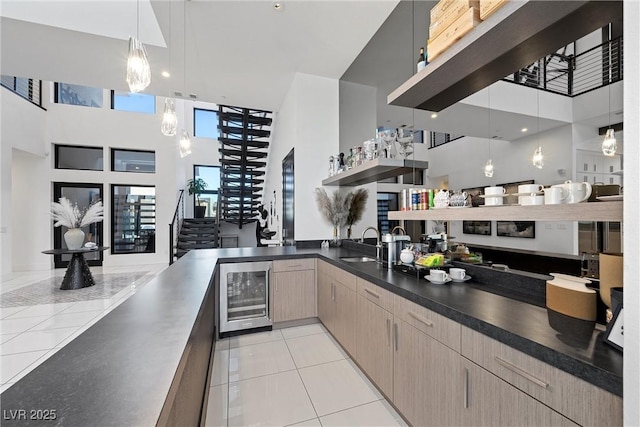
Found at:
<point>176,224</point>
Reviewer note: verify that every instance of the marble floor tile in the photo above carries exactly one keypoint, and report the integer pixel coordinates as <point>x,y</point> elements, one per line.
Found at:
<point>6,337</point>
<point>8,311</point>
<point>41,310</point>
<point>314,422</point>
<point>12,364</point>
<point>16,326</point>
<point>312,350</point>
<point>220,368</point>
<point>37,340</point>
<point>336,386</point>
<point>217,406</point>
<point>67,320</point>
<point>257,338</point>
<point>300,331</point>
<point>378,413</point>
<point>259,359</point>
<point>271,400</point>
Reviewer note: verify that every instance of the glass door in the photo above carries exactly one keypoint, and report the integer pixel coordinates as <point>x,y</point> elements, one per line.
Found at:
<point>83,194</point>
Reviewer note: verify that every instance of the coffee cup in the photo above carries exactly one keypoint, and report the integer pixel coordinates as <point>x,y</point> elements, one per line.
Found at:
<point>554,195</point>
<point>457,273</point>
<point>493,201</point>
<point>532,199</point>
<point>439,275</point>
<point>576,191</point>
<point>529,188</point>
<point>494,191</point>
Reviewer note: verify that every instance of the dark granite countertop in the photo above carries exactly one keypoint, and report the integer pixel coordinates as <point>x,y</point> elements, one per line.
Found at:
<point>119,371</point>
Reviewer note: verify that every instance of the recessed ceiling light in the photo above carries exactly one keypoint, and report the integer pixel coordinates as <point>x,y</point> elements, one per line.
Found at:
<point>166,74</point>
<point>524,130</point>
<point>434,115</point>
<point>278,5</point>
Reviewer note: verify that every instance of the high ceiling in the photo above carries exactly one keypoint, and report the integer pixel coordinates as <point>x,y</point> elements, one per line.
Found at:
<point>242,53</point>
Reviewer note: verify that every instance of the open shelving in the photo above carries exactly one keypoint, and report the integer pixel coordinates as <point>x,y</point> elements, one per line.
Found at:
<point>595,211</point>
<point>375,170</point>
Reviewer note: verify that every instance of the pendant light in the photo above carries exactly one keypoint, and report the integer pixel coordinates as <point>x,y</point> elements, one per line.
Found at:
<point>184,144</point>
<point>138,69</point>
<point>609,144</point>
<point>488,167</point>
<point>169,125</point>
<point>538,158</point>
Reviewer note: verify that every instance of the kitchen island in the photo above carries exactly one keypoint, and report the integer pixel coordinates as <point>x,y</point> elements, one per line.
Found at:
<point>135,365</point>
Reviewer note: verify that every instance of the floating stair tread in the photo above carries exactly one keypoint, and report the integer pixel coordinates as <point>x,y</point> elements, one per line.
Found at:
<point>240,142</point>
<point>239,117</point>
<point>232,130</point>
<point>249,153</point>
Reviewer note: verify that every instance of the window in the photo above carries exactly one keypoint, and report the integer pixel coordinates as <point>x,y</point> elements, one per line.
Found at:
<point>133,219</point>
<point>211,175</point>
<point>133,161</point>
<point>78,157</point>
<point>205,123</point>
<point>78,95</point>
<point>134,102</point>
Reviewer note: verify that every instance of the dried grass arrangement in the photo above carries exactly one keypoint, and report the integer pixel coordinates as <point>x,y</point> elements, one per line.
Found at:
<point>69,215</point>
<point>341,210</point>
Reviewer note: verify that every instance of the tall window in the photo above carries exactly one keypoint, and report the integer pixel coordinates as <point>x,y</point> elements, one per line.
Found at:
<point>134,102</point>
<point>133,219</point>
<point>85,96</point>
<point>205,123</point>
<point>211,175</point>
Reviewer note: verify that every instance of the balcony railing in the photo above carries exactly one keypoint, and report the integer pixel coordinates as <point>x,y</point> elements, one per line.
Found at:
<point>573,75</point>
<point>29,89</point>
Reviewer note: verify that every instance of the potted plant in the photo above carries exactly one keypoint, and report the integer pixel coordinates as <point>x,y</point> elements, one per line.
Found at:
<point>196,187</point>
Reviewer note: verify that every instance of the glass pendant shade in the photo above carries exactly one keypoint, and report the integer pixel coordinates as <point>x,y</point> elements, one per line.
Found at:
<point>138,70</point>
<point>538,158</point>
<point>169,125</point>
<point>184,144</point>
<point>488,169</point>
<point>609,145</point>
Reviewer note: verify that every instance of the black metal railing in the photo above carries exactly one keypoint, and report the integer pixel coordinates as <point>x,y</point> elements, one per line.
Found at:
<point>29,89</point>
<point>437,139</point>
<point>175,226</point>
<point>573,75</point>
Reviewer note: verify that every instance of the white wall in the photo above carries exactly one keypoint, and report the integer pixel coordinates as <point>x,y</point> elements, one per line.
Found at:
<point>631,206</point>
<point>460,163</point>
<point>357,114</point>
<point>28,136</point>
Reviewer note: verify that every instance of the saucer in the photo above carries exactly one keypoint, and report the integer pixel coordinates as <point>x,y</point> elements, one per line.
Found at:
<point>537,193</point>
<point>437,282</point>
<point>459,207</point>
<point>484,196</point>
<point>614,198</point>
<point>467,277</point>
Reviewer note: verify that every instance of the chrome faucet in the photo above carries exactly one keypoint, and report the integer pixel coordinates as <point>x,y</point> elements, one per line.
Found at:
<point>378,245</point>
<point>398,227</point>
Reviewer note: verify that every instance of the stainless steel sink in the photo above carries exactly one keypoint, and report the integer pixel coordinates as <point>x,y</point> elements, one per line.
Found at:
<point>358,259</point>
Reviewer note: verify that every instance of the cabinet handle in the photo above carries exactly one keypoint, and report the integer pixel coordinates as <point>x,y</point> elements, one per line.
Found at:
<point>421,319</point>
<point>294,265</point>
<point>466,388</point>
<point>332,298</point>
<point>516,370</point>
<point>395,335</point>
<point>388,332</point>
<point>370,292</point>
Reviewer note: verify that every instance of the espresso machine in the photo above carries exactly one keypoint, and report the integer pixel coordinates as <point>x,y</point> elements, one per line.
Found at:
<point>436,242</point>
<point>394,243</point>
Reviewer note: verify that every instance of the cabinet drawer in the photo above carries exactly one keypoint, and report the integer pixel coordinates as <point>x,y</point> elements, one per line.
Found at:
<point>436,326</point>
<point>294,264</point>
<point>576,399</point>
<point>375,294</point>
<point>338,275</point>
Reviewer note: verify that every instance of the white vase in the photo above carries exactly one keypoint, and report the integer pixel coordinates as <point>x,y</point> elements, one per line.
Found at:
<point>74,238</point>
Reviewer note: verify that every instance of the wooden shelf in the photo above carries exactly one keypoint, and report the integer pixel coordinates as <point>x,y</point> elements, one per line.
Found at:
<point>515,36</point>
<point>375,170</point>
<point>595,211</point>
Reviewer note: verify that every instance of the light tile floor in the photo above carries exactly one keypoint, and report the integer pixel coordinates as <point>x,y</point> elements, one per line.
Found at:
<point>29,335</point>
<point>296,376</point>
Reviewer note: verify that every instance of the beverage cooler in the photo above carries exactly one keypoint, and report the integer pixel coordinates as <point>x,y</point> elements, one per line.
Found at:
<point>244,296</point>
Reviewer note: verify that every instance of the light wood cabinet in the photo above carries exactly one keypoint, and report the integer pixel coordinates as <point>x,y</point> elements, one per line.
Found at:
<point>337,304</point>
<point>425,389</point>
<point>374,350</point>
<point>293,290</point>
<point>490,401</point>
<point>572,397</point>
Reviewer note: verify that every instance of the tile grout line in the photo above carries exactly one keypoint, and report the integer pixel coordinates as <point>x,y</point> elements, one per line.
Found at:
<point>302,381</point>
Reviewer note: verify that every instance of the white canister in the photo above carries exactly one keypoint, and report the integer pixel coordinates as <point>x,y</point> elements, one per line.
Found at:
<point>554,195</point>
<point>406,256</point>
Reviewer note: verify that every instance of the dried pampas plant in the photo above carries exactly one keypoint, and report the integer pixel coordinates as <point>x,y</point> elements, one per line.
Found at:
<point>333,208</point>
<point>358,200</point>
<point>64,213</point>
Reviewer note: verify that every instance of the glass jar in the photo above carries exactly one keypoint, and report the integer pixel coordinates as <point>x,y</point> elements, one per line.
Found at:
<point>370,149</point>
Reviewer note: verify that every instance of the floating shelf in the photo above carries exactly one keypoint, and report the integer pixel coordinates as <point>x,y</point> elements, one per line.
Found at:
<point>619,173</point>
<point>595,211</point>
<point>515,36</point>
<point>375,170</point>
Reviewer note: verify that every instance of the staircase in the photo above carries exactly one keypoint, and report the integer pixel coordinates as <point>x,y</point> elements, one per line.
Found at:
<point>198,233</point>
<point>244,141</point>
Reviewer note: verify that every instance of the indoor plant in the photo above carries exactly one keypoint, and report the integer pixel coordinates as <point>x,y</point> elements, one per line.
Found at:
<point>356,202</point>
<point>334,209</point>
<point>69,215</point>
<point>196,187</point>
